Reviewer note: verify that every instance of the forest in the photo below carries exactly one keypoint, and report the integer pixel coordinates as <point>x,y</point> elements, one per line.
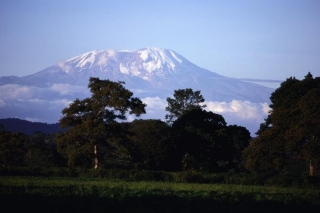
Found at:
<point>96,135</point>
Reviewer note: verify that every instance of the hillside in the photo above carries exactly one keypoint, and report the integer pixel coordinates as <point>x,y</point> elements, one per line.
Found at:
<point>28,127</point>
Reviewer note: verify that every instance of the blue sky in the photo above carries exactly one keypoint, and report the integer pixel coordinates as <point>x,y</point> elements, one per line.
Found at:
<point>259,39</point>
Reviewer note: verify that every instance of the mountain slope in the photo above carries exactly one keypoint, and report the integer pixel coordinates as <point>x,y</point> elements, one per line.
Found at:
<point>28,127</point>
<point>154,69</point>
<point>149,72</point>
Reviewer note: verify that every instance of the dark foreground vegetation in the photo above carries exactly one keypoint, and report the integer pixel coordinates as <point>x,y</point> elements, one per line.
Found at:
<point>193,162</point>
<point>145,191</point>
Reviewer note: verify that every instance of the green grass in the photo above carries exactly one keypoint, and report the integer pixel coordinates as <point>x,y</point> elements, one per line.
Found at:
<point>88,183</point>
<point>82,194</point>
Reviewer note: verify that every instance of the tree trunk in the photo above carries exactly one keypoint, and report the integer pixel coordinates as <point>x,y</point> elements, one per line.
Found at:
<point>311,169</point>
<point>95,151</point>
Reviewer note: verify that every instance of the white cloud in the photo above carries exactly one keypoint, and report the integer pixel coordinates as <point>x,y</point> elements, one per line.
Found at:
<point>242,113</point>
<point>15,91</point>
<point>64,66</point>
<point>39,110</point>
<point>155,107</point>
<point>103,58</point>
<point>265,108</point>
<point>60,104</point>
<point>244,110</point>
<point>154,103</point>
<point>131,118</point>
<point>235,112</point>
<point>32,119</point>
<point>64,89</point>
<point>109,54</point>
<point>50,104</point>
<point>47,103</point>
<point>112,53</point>
<point>36,94</point>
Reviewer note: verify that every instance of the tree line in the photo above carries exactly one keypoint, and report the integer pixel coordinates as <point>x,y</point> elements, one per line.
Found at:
<point>190,138</point>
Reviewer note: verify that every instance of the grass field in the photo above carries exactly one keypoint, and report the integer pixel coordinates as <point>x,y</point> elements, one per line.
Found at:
<point>39,194</point>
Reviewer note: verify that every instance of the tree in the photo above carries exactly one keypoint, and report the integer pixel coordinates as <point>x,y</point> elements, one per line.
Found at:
<point>291,130</point>
<point>306,131</point>
<point>238,138</point>
<point>42,150</point>
<point>92,122</point>
<point>200,136</point>
<point>184,100</point>
<point>12,149</point>
<point>266,153</point>
<point>151,144</point>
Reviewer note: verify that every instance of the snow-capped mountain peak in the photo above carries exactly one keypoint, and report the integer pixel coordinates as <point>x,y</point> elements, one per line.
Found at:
<point>151,59</point>
<point>83,60</point>
<point>150,64</point>
<point>157,58</point>
<point>159,54</point>
<point>149,72</point>
<point>93,58</point>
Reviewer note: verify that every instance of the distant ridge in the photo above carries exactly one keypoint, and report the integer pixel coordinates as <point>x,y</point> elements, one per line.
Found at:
<point>28,127</point>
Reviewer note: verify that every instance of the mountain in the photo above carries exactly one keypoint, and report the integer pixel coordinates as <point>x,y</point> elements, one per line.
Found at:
<point>154,69</point>
<point>28,127</point>
<point>152,74</point>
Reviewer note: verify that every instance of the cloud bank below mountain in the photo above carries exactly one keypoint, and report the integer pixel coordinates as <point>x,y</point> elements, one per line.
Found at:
<point>45,105</point>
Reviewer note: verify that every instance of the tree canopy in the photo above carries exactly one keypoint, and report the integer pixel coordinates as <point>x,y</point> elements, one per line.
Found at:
<point>291,131</point>
<point>205,142</point>
<point>151,143</point>
<point>184,100</point>
<point>92,122</point>
<point>94,136</point>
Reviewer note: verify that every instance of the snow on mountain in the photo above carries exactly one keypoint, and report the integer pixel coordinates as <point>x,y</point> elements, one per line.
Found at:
<point>154,58</point>
<point>151,73</point>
